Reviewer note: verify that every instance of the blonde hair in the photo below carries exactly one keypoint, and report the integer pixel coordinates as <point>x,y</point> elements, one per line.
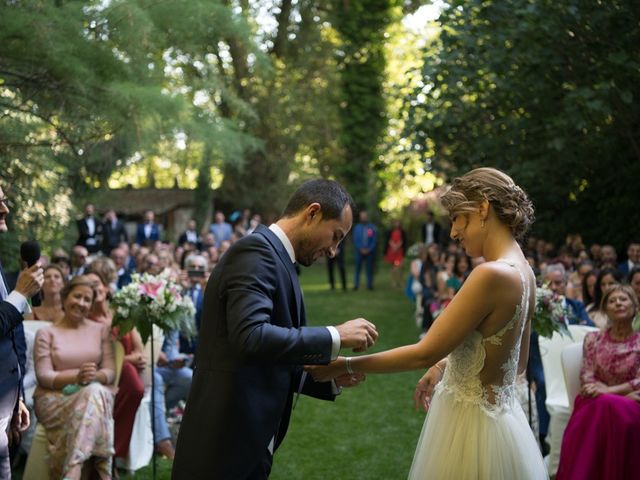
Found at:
<point>619,287</point>
<point>510,203</point>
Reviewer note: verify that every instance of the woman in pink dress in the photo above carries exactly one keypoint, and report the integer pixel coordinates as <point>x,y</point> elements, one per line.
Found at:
<point>603,433</point>
<point>74,402</point>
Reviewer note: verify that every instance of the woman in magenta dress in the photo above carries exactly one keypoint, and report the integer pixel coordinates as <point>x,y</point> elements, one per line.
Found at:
<point>603,433</point>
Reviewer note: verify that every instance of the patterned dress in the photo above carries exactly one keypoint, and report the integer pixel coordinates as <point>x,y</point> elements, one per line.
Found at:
<point>79,425</point>
<point>603,433</point>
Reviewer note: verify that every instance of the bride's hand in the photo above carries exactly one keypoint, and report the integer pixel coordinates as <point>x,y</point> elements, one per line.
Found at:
<point>424,388</point>
<point>325,373</point>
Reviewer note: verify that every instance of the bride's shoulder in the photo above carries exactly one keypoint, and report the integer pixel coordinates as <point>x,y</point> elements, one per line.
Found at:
<point>497,270</point>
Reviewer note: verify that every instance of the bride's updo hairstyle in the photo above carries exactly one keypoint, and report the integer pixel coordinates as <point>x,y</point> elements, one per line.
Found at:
<point>510,203</point>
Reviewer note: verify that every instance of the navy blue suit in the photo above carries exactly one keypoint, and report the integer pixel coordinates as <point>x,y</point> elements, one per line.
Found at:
<point>365,235</point>
<point>13,358</point>
<point>141,239</point>
<point>252,345</point>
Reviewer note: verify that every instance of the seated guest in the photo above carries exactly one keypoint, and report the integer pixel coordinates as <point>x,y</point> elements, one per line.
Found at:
<point>556,276</point>
<point>634,282</point>
<point>190,235</point>
<point>603,433</point>
<point>461,271</point>
<point>50,309</point>
<point>130,385</point>
<point>607,278</point>
<point>197,274</point>
<point>589,288</point>
<point>119,257</point>
<point>172,383</point>
<point>74,366</point>
<point>633,259</point>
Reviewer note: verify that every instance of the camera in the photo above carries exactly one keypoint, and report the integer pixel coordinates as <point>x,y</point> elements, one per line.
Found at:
<point>195,273</point>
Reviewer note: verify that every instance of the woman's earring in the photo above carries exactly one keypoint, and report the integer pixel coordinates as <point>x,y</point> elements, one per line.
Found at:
<point>482,223</point>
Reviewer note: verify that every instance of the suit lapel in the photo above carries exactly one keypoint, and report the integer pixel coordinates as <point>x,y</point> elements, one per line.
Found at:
<point>286,260</point>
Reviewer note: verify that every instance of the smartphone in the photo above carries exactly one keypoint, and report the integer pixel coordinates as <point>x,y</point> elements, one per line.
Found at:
<point>195,273</point>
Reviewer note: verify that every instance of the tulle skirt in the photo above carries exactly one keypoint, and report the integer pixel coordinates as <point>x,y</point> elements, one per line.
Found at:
<point>461,440</point>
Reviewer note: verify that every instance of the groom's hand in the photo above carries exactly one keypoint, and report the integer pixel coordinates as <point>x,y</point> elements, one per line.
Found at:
<point>326,373</point>
<point>358,334</point>
<point>350,379</point>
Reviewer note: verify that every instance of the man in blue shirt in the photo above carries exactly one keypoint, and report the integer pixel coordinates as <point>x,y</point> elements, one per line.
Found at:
<point>365,237</point>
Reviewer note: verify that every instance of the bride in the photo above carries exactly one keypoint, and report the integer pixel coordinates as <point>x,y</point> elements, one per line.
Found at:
<point>475,427</point>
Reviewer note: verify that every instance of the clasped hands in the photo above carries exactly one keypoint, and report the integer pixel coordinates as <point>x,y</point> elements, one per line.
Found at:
<point>88,373</point>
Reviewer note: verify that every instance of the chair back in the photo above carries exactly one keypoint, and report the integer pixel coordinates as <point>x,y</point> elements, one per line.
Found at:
<point>571,357</point>
<point>550,349</point>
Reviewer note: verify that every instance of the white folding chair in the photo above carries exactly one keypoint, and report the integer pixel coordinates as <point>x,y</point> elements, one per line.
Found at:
<point>557,398</point>
<point>571,357</point>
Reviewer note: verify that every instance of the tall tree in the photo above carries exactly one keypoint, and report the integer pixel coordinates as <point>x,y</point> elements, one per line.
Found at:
<point>362,26</point>
<point>547,91</point>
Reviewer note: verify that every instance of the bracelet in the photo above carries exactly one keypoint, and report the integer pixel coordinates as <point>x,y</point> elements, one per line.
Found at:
<point>439,368</point>
<point>349,369</point>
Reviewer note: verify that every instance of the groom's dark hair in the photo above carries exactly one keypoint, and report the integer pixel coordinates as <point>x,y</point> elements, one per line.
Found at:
<point>331,196</point>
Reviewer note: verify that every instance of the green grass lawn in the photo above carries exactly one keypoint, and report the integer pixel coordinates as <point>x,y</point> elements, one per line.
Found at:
<point>370,431</point>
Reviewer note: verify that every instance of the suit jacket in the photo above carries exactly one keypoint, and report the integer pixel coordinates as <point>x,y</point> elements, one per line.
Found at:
<point>252,345</point>
<point>13,348</point>
<point>580,315</point>
<point>87,240</point>
<point>437,233</point>
<point>111,236</point>
<point>365,235</point>
<point>141,239</point>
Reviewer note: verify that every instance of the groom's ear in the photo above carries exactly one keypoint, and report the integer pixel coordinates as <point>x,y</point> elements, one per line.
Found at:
<point>313,212</point>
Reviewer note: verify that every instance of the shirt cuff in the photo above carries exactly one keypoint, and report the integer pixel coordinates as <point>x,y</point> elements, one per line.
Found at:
<point>19,301</point>
<point>335,340</point>
<point>335,389</point>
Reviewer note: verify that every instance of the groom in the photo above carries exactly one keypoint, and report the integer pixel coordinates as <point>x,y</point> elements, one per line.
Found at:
<point>254,340</point>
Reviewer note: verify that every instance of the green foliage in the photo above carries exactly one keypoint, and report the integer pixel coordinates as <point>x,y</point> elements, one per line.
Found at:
<point>543,90</point>
<point>362,28</point>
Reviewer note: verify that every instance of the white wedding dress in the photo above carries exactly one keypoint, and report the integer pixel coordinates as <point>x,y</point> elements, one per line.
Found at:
<point>475,427</point>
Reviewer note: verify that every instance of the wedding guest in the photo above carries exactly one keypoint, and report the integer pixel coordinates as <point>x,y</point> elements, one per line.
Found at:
<point>602,435</point>
<point>633,258</point>
<point>79,263</point>
<point>430,230</point>
<point>148,231</point>
<point>119,257</point>
<point>608,257</point>
<point>365,237</point>
<point>444,274</point>
<point>589,288</point>
<point>460,273</point>
<point>64,263</point>
<point>89,230</point>
<point>50,309</point>
<point>574,285</point>
<point>396,245</point>
<point>130,385</point>
<point>607,278</point>
<point>113,232</point>
<point>634,282</point>
<point>221,229</point>
<point>337,261</point>
<point>556,276</point>
<point>190,235</point>
<point>75,366</point>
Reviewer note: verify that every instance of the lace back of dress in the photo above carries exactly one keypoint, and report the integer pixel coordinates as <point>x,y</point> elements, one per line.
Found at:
<point>502,352</point>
